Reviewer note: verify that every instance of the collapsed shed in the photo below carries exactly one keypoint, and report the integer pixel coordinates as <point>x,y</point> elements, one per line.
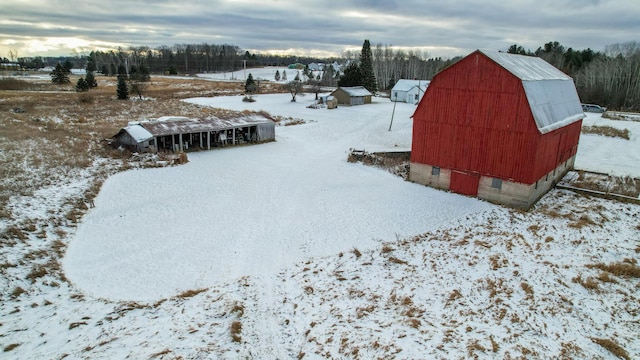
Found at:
<point>178,133</point>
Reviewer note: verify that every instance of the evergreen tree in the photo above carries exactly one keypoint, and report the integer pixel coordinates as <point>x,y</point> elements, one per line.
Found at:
<point>91,63</point>
<point>91,79</point>
<point>105,70</point>
<point>352,76</point>
<point>250,86</point>
<point>366,68</point>
<point>82,85</point>
<point>144,73</point>
<point>122,71</point>
<point>284,75</point>
<point>122,90</point>
<point>112,70</point>
<point>277,75</point>
<point>59,75</point>
<point>67,66</point>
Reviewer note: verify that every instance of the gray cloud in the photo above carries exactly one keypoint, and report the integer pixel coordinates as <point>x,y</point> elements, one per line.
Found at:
<point>445,28</point>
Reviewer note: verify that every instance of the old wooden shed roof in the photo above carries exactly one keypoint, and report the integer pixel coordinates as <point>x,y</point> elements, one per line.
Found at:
<point>169,125</point>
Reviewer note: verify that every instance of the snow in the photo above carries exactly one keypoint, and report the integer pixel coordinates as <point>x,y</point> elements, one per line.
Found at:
<point>319,258</point>
<point>138,133</point>
<point>264,73</point>
<point>614,156</point>
<point>252,210</point>
<point>356,90</point>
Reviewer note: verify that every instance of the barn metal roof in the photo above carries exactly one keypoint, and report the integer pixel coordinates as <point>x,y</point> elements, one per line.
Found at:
<point>181,125</point>
<point>551,93</point>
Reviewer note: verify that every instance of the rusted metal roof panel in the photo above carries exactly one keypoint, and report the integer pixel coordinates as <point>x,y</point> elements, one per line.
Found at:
<point>182,125</point>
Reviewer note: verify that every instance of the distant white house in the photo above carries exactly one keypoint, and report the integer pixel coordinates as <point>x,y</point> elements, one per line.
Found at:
<point>409,91</point>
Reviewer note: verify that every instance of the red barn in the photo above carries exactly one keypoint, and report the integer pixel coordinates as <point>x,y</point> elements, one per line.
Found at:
<point>498,126</point>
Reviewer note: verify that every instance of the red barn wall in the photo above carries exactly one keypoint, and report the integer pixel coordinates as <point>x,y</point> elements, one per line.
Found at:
<point>475,118</point>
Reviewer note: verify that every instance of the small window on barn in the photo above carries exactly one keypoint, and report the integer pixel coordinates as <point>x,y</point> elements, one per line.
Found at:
<point>536,185</point>
<point>496,183</point>
<point>152,142</point>
<point>435,171</point>
<point>546,178</point>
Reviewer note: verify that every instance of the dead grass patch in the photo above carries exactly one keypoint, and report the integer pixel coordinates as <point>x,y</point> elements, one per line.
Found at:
<point>37,272</point>
<point>589,283</point>
<point>606,131</point>
<point>395,260</point>
<point>620,269</point>
<point>10,347</point>
<point>387,249</point>
<point>17,291</point>
<point>236,331</point>
<point>583,221</point>
<point>612,347</point>
<point>238,309</point>
<point>190,293</point>
<point>357,252</point>
<point>160,353</point>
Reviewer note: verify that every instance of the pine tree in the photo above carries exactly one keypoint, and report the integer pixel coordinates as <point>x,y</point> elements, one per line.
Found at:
<point>250,85</point>
<point>277,75</point>
<point>122,90</point>
<point>82,85</point>
<point>91,79</point>
<point>91,63</point>
<point>284,75</point>
<point>366,68</point>
<point>352,76</point>
<point>112,70</point>
<point>59,75</point>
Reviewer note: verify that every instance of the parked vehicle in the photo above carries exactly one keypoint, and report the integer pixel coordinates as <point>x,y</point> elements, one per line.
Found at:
<point>593,108</point>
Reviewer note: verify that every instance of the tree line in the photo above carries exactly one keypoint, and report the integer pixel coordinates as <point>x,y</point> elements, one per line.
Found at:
<point>610,78</point>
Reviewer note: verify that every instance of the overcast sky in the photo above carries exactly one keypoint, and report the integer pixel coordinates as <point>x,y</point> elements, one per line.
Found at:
<point>308,27</point>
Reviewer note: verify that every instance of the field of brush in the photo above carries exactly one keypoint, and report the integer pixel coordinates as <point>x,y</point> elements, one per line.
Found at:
<point>558,281</point>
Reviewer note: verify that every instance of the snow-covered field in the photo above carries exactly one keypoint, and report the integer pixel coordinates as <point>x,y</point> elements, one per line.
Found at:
<point>285,250</point>
<point>264,73</point>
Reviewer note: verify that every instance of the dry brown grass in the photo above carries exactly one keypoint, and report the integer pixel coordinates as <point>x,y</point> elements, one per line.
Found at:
<point>589,284</point>
<point>60,130</point>
<point>10,347</point>
<point>620,269</point>
<point>236,330</point>
<point>190,293</point>
<point>606,131</point>
<point>612,347</point>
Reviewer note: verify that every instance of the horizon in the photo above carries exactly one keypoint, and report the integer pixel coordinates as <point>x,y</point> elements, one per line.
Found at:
<point>286,28</point>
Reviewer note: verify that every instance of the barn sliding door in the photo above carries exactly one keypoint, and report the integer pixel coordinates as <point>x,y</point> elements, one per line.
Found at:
<point>463,183</point>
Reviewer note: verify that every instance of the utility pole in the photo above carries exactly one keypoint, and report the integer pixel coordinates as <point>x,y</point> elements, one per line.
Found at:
<point>394,111</point>
<point>244,66</point>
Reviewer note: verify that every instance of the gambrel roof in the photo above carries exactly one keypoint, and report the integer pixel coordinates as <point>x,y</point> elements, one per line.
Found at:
<point>552,95</point>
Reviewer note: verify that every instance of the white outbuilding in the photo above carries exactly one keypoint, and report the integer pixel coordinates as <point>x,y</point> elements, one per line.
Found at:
<point>409,91</point>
